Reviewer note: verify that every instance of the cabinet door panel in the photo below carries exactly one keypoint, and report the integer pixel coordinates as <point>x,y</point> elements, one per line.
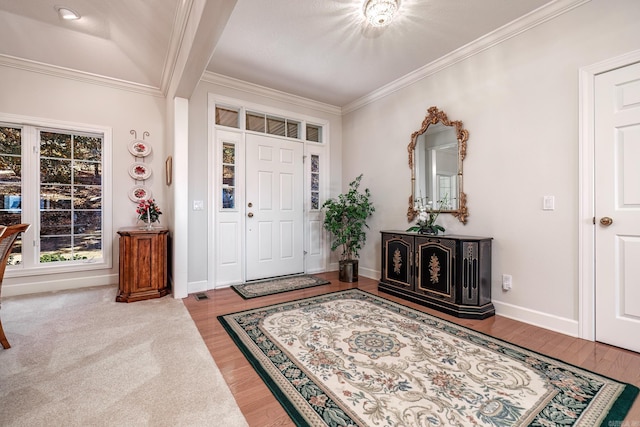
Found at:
<point>436,268</point>
<point>397,260</point>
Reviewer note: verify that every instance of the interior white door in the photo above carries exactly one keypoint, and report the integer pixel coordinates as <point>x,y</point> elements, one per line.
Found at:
<point>275,209</point>
<point>617,207</point>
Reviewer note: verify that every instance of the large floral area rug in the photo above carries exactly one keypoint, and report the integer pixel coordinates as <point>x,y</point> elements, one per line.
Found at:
<point>278,285</point>
<point>351,358</point>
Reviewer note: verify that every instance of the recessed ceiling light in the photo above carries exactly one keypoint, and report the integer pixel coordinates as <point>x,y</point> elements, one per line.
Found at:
<point>66,13</point>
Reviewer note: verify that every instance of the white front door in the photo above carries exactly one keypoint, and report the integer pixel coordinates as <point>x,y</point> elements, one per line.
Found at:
<point>617,207</point>
<point>274,207</point>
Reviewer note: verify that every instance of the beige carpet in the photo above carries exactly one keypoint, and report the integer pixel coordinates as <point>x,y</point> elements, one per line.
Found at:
<point>78,358</point>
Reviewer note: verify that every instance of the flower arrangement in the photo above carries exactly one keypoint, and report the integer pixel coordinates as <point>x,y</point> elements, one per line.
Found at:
<point>427,216</point>
<point>148,211</point>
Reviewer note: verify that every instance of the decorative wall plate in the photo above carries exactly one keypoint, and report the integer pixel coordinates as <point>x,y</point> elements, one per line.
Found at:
<point>139,193</point>
<point>139,171</point>
<point>139,148</point>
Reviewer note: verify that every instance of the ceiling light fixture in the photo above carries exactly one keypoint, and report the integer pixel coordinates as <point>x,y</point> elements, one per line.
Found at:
<point>66,13</point>
<point>380,12</point>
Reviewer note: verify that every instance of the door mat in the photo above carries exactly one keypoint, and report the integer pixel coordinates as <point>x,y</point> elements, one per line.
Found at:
<point>277,285</point>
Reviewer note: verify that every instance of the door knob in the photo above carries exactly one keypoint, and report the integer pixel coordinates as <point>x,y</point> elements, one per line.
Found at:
<point>606,221</point>
<point>250,214</point>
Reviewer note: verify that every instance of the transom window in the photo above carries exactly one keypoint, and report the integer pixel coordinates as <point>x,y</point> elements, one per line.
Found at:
<point>267,123</point>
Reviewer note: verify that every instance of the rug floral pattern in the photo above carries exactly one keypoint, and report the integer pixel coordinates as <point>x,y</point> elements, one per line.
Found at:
<point>352,358</point>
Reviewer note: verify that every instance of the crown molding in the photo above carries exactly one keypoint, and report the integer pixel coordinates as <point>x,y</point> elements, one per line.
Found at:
<point>232,83</point>
<point>80,76</point>
<point>506,32</point>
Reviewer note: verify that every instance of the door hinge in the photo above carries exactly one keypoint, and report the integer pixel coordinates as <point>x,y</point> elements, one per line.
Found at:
<point>594,220</point>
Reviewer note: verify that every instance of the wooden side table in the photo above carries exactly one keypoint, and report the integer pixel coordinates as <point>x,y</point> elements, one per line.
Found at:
<point>143,264</point>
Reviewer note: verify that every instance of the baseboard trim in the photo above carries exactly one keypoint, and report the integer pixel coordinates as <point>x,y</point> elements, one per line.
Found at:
<point>201,286</point>
<point>521,314</point>
<point>58,285</point>
<point>537,318</point>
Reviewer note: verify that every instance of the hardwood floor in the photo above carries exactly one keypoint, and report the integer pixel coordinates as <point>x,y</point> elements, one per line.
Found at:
<point>261,409</point>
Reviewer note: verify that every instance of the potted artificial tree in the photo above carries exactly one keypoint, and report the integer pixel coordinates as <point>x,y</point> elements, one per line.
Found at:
<point>346,219</point>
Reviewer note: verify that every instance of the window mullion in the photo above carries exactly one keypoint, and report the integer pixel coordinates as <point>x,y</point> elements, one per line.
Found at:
<point>29,201</point>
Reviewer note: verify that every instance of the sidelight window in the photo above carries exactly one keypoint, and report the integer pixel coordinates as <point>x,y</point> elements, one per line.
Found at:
<point>228,175</point>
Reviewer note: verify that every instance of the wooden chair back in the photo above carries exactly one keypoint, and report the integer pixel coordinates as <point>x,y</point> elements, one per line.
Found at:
<point>8,236</point>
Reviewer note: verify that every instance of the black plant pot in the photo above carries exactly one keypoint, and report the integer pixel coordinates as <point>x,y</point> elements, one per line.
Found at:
<point>348,270</point>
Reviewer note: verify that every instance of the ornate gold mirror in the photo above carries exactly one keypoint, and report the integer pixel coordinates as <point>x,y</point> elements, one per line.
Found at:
<point>436,152</point>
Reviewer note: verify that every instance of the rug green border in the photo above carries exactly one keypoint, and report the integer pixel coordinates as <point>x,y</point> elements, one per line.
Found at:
<point>320,283</point>
<point>275,390</point>
<point>619,409</point>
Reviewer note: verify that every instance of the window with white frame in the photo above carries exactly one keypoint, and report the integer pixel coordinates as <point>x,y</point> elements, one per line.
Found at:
<point>271,124</point>
<point>53,179</point>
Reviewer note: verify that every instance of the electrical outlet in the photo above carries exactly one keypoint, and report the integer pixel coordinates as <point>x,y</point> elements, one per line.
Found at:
<point>507,281</point>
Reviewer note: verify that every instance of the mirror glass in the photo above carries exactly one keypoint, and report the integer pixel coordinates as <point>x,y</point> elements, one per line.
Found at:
<point>436,152</point>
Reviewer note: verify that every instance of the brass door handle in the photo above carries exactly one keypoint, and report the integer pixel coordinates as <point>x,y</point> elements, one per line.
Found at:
<point>606,221</point>
<point>250,214</point>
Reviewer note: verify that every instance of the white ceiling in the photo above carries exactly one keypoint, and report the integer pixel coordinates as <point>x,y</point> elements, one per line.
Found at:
<point>317,49</point>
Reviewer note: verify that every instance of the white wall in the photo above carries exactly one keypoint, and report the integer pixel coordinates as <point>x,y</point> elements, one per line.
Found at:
<point>198,154</point>
<point>67,99</point>
<point>519,101</point>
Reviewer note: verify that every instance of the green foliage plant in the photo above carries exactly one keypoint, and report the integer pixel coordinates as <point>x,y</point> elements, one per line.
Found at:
<point>346,219</point>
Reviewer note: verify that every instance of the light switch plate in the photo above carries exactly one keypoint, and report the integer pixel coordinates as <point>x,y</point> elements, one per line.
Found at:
<point>198,205</point>
<point>548,203</point>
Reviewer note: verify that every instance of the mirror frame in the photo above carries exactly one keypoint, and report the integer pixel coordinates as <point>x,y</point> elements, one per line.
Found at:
<point>434,115</point>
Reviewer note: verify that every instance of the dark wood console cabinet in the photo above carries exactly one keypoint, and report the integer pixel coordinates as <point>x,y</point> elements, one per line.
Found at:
<point>445,272</point>
<point>143,264</point>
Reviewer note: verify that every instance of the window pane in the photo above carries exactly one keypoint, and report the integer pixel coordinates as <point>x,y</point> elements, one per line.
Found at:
<point>55,145</point>
<point>10,141</point>
<point>293,129</point>
<point>87,222</point>
<point>53,249</point>
<point>228,175</point>
<point>228,154</point>
<point>87,173</point>
<point>55,223</point>
<point>89,246</point>
<point>87,148</point>
<point>55,171</point>
<point>87,197</point>
<point>255,122</point>
<point>10,217</point>
<point>314,133</point>
<point>227,117</point>
<point>275,126</point>
<point>228,198</point>
<point>10,197</point>
<point>55,197</point>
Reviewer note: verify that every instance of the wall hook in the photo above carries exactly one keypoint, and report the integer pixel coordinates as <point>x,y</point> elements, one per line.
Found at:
<point>134,133</point>
<point>145,133</point>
